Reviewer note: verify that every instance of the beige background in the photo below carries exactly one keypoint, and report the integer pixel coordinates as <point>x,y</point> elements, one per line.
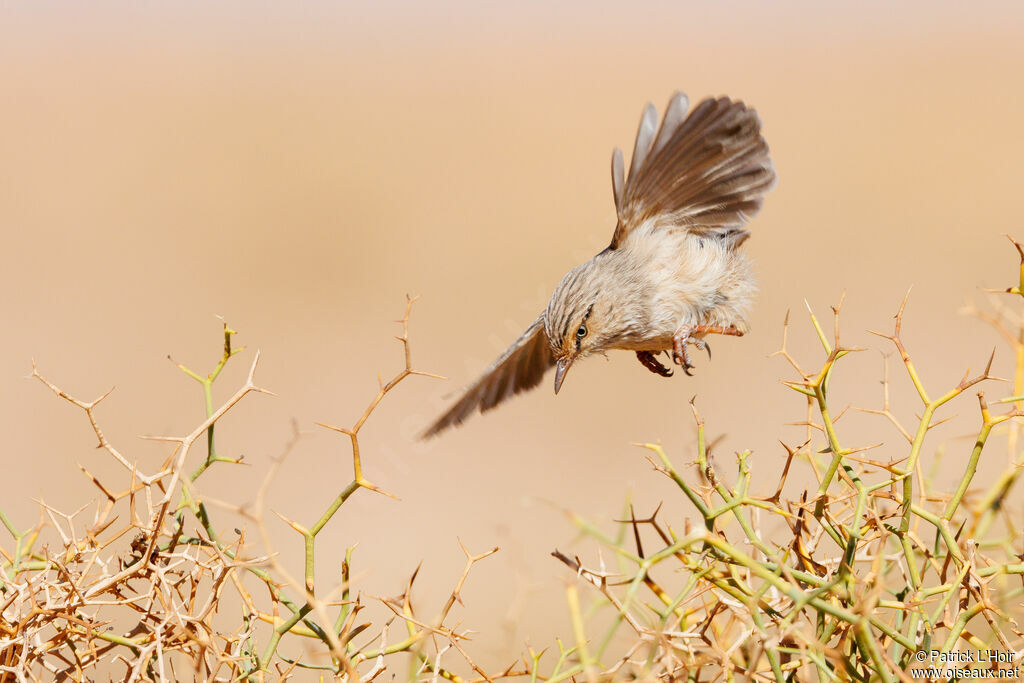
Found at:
<point>298,168</point>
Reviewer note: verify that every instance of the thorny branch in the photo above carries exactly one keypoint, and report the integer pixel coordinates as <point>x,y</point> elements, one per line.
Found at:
<point>845,581</point>
<point>879,564</point>
<point>58,609</point>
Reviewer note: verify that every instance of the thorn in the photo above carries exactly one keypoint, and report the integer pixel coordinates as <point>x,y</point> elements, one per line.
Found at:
<point>293,524</point>
<point>1020,248</point>
<point>376,489</point>
<point>899,313</point>
<point>346,432</point>
<point>839,306</point>
<point>415,573</point>
<point>420,373</point>
<point>111,390</point>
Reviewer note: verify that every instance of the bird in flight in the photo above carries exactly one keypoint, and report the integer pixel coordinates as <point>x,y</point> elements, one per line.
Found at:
<point>674,271</point>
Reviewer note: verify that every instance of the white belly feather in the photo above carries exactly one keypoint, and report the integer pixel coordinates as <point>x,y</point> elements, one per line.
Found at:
<point>692,280</point>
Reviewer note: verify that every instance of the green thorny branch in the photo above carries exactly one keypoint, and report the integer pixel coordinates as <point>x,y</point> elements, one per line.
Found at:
<point>855,591</point>
<point>872,567</point>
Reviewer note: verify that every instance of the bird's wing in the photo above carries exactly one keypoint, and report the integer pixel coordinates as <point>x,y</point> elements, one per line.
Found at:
<point>521,367</point>
<point>707,171</point>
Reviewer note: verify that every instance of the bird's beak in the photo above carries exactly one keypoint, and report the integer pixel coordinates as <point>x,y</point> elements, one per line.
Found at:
<point>561,367</point>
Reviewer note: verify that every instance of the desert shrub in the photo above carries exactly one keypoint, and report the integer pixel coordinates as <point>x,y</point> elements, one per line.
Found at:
<point>876,565</point>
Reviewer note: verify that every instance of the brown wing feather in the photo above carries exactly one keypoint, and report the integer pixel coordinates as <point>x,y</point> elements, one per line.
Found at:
<point>521,367</point>
<point>708,171</point>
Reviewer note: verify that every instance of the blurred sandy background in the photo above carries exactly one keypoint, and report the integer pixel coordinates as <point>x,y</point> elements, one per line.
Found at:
<point>298,168</point>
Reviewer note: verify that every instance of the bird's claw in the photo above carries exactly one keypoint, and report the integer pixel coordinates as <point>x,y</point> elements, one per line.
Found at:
<point>701,344</point>
<point>680,355</point>
<point>648,360</point>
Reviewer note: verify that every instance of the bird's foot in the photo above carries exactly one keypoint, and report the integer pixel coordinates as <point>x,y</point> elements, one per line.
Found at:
<point>685,336</point>
<point>679,353</point>
<point>649,361</point>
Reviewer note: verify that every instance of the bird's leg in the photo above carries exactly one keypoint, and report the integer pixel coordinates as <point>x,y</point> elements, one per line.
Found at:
<point>685,336</point>
<point>648,360</point>
<point>679,353</point>
<point>730,331</point>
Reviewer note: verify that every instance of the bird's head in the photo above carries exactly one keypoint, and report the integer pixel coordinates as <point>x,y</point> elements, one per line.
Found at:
<point>579,319</point>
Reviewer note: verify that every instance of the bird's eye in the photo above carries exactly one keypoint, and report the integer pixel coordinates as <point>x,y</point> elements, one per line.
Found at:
<point>581,332</point>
